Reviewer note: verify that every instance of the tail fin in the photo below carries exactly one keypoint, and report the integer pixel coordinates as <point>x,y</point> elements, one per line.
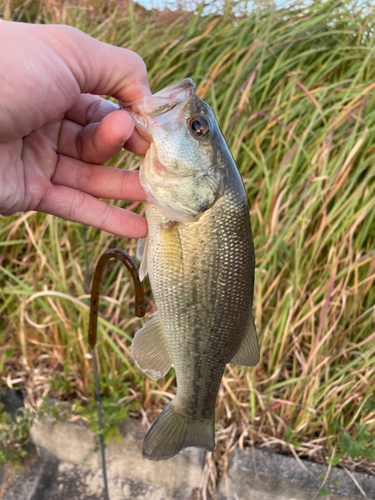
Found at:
<point>174,431</point>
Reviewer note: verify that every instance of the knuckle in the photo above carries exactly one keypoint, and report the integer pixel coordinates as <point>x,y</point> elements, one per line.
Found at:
<point>79,143</point>
<point>105,217</point>
<point>75,207</point>
<point>123,189</point>
<point>83,179</point>
<point>92,110</point>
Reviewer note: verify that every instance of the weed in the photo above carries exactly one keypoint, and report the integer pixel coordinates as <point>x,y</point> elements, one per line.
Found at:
<point>290,438</point>
<point>293,90</point>
<point>324,492</point>
<point>115,407</point>
<point>13,435</point>
<point>358,445</point>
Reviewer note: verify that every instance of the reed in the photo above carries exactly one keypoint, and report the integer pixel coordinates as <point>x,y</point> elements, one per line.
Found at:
<point>293,88</point>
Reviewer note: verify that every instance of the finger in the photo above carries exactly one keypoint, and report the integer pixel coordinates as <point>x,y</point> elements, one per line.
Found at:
<point>76,206</point>
<point>137,144</point>
<point>100,68</point>
<point>90,109</point>
<point>120,73</point>
<point>98,181</point>
<point>96,142</point>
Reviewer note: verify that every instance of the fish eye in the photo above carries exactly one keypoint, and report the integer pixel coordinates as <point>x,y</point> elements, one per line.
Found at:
<point>199,126</point>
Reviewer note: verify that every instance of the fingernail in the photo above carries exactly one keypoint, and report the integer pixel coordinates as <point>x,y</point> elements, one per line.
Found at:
<point>124,140</point>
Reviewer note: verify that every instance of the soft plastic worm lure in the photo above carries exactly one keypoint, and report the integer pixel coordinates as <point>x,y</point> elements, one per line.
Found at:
<point>122,256</point>
<point>118,254</point>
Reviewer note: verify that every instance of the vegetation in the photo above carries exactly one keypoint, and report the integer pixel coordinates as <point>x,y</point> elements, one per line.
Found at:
<point>293,89</point>
<point>13,435</point>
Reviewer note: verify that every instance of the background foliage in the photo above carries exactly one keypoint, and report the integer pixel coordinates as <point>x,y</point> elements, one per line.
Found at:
<point>293,91</point>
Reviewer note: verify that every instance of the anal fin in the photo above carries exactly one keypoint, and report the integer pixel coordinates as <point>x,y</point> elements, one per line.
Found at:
<point>150,349</point>
<point>248,352</point>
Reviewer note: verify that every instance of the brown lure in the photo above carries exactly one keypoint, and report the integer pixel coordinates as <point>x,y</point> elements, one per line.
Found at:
<point>114,253</point>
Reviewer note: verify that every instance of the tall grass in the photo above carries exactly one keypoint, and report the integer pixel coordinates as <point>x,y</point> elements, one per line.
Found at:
<point>294,93</point>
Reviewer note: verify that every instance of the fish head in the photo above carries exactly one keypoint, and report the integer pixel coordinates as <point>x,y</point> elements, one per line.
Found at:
<point>182,173</point>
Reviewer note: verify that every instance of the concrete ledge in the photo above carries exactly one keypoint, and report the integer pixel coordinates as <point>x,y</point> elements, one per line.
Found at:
<point>256,474</point>
<point>48,478</point>
<point>263,475</point>
<point>75,444</point>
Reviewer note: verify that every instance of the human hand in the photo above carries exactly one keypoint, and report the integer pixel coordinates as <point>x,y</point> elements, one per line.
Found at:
<point>55,132</point>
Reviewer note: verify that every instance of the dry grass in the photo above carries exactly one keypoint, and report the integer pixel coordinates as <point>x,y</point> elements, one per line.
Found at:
<point>293,90</point>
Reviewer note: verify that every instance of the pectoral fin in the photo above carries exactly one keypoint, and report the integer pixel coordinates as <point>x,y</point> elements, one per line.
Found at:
<point>141,254</point>
<point>248,352</point>
<point>150,349</point>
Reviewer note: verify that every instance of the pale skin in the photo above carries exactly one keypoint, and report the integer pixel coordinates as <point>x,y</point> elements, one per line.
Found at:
<point>56,132</point>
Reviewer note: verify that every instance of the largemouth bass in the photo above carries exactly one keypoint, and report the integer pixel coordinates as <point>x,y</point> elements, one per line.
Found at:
<point>199,255</point>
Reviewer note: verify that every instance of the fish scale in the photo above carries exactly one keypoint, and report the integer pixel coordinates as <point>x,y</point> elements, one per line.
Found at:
<point>200,258</point>
<point>204,331</point>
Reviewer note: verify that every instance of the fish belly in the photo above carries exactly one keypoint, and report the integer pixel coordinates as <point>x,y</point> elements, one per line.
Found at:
<point>202,277</point>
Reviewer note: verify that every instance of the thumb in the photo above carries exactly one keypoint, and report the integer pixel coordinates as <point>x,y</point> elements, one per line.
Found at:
<point>100,68</point>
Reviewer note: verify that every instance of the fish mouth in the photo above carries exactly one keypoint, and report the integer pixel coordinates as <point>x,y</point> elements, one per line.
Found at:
<point>184,90</point>
<point>146,109</point>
